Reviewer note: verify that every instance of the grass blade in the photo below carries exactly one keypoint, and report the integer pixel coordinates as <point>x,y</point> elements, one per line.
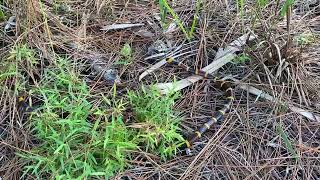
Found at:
<point>286,140</point>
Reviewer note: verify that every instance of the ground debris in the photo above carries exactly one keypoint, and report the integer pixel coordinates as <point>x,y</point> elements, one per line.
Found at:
<point>119,26</point>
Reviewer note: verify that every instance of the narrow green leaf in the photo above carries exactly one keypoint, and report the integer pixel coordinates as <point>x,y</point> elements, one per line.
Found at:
<point>285,7</point>
<point>286,140</point>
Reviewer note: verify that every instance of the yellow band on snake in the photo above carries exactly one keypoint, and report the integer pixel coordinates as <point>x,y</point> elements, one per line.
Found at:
<point>188,144</point>
<point>231,98</point>
<point>198,134</point>
<point>21,98</point>
<point>229,89</point>
<point>222,83</point>
<point>170,60</point>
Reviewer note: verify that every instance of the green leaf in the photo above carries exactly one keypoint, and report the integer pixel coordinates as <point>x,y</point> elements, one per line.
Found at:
<point>2,15</point>
<point>285,7</point>
<point>163,12</point>
<point>176,18</point>
<point>286,140</point>
<point>240,4</point>
<point>59,148</point>
<point>262,3</point>
<point>98,174</point>
<point>126,50</point>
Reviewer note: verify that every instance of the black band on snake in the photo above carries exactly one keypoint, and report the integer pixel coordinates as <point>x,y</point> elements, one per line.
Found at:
<point>218,115</point>
<point>23,105</point>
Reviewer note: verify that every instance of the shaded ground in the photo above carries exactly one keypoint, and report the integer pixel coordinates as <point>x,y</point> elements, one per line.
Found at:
<point>259,139</point>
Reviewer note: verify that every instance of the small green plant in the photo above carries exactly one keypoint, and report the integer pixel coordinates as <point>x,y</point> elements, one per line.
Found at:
<point>2,15</point>
<point>76,139</point>
<point>158,123</point>
<point>21,58</point>
<point>8,69</point>
<point>165,8</point>
<point>282,108</point>
<point>306,39</point>
<point>286,140</point>
<point>163,13</point>
<point>262,3</point>
<point>61,7</point>
<point>126,55</point>
<point>240,4</point>
<point>286,7</point>
<point>22,53</point>
<point>240,59</point>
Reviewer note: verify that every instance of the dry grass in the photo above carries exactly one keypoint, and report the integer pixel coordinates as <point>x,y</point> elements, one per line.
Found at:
<point>250,144</point>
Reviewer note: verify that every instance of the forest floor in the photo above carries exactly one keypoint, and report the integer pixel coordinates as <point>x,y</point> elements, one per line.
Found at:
<point>76,101</point>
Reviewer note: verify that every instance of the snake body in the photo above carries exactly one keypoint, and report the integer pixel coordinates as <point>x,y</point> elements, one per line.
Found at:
<point>23,105</point>
<point>218,115</point>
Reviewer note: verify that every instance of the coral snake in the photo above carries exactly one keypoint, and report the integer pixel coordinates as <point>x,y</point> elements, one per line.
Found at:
<point>218,115</point>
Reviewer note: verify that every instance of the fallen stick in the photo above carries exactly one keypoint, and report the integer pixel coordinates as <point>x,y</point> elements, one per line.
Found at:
<point>267,96</point>
<point>119,26</point>
<point>222,58</point>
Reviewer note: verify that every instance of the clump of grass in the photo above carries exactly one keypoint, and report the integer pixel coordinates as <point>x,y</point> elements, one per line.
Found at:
<point>159,129</point>
<point>76,140</point>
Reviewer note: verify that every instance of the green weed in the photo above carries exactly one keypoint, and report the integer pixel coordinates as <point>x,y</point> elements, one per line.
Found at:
<point>262,3</point>
<point>306,39</point>
<point>285,7</point>
<point>21,58</point>
<point>160,131</point>
<point>79,139</point>
<point>282,108</point>
<point>126,55</point>
<point>163,13</point>
<point>166,8</point>
<point>2,15</point>
<point>8,69</point>
<point>23,54</point>
<point>286,140</point>
<point>194,21</point>
<point>76,139</point>
<point>240,59</point>
<point>240,4</point>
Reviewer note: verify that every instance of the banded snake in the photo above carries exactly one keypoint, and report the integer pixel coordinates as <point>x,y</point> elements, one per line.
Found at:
<point>218,115</point>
